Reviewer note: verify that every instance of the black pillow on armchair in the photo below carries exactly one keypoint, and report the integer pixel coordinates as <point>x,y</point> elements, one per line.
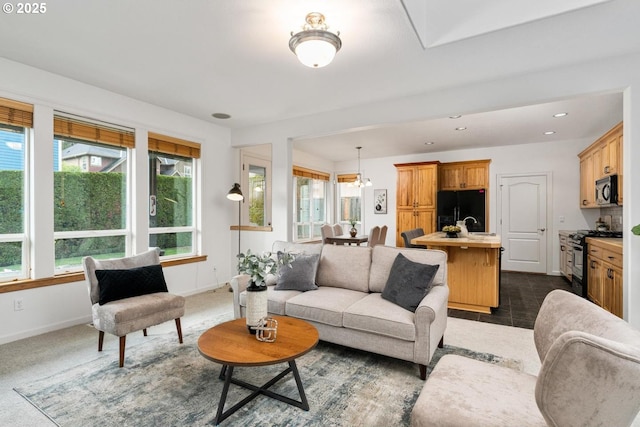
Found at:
<point>131,282</point>
<point>409,282</point>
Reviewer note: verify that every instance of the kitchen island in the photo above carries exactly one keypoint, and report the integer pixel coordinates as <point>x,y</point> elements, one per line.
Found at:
<point>474,269</point>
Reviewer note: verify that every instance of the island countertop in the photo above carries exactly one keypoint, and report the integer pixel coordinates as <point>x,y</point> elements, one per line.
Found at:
<point>473,241</point>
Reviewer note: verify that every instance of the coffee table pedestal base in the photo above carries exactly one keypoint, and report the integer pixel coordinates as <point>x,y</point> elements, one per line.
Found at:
<point>227,375</point>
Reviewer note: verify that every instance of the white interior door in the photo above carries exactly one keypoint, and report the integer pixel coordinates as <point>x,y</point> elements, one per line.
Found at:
<point>523,222</point>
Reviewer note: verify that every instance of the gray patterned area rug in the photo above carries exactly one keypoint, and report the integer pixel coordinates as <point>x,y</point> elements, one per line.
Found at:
<point>166,384</point>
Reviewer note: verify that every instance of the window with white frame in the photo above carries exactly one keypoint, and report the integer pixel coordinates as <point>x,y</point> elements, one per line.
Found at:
<point>309,203</point>
<point>16,121</point>
<point>349,201</point>
<point>172,201</point>
<point>90,201</point>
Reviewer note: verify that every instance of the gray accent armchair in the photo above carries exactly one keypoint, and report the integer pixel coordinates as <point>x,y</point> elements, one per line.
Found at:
<point>590,376</point>
<point>130,314</point>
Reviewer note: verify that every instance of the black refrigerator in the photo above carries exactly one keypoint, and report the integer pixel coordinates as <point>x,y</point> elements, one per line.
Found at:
<point>455,206</point>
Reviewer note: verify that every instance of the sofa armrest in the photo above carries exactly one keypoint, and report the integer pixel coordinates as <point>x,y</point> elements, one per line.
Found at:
<point>238,284</point>
<point>431,322</point>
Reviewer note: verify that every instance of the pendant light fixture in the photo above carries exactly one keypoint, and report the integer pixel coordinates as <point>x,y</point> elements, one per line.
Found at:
<point>314,46</point>
<point>360,182</point>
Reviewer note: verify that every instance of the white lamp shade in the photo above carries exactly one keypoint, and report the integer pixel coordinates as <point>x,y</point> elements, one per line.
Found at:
<point>315,53</point>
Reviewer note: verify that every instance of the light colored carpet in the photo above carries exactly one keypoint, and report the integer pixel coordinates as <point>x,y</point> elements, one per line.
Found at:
<point>166,384</point>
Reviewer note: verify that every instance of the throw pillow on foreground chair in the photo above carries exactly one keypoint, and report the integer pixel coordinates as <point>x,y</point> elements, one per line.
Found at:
<point>130,294</point>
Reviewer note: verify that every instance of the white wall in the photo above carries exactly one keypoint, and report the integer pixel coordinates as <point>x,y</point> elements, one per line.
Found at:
<point>616,74</point>
<point>58,306</point>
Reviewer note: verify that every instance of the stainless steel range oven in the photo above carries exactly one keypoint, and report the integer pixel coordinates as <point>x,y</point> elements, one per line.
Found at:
<point>578,242</point>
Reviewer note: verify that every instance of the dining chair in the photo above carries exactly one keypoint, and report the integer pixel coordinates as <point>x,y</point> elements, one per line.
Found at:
<point>327,231</point>
<point>337,230</point>
<point>374,236</point>
<point>383,235</point>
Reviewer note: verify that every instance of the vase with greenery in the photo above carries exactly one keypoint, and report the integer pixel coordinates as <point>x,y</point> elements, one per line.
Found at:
<point>258,267</point>
<point>354,231</point>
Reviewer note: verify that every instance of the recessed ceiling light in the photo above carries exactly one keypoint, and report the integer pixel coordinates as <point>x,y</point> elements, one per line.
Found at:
<point>429,143</point>
<point>550,132</point>
<point>560,115</point>
<point>461,128</point>
<point>455,117</point>
<point>222,116</point>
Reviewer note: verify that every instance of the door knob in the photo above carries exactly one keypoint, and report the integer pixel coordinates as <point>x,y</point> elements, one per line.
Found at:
<point>541,230</point>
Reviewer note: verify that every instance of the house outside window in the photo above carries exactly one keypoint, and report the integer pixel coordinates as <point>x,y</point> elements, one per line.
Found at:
<point>309,203</point>
<point>172,205</point>
<point>90,202</point>
<point>16,120</point>
<point>349,201</point>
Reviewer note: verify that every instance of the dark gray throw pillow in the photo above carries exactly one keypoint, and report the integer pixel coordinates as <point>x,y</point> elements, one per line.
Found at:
<point>301,275</point>
<point>408,282</point>
<point>132,282</point>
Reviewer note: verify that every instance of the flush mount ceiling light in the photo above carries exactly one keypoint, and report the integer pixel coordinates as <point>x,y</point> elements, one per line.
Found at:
<point>360,182</point>
<point>314,46</point>
<point>558,115</point>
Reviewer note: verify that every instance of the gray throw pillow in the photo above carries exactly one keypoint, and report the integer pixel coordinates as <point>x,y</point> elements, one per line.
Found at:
<point>409,282</point>
<point>301,275</point>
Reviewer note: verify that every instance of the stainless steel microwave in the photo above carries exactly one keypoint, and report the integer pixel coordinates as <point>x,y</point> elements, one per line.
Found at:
<point>607,191</point>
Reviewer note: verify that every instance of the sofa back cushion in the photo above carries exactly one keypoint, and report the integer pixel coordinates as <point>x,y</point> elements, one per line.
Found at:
<point>384,256</point>
<point>345,267</point>
<point>296,248</point>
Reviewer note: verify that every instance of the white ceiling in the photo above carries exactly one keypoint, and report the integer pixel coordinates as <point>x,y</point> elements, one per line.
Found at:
<point>201,57</point>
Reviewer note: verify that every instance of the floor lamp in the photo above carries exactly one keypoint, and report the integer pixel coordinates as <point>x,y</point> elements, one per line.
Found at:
<point>235,195</point>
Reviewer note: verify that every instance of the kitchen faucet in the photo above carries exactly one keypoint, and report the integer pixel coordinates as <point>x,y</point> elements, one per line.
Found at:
<point>475,221</point>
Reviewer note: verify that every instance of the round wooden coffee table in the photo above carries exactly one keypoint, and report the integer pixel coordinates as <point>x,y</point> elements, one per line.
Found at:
<point>231,344</point>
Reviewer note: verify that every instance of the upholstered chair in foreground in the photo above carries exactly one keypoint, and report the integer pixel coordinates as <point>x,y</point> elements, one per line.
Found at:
<point>130,294</point>
<point>590,376</point>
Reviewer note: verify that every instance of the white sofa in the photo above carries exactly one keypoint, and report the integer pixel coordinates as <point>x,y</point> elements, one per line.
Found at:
<point>347,308</point>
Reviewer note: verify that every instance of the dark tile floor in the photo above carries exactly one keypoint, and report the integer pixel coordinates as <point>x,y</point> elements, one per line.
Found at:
<point>521,295</point>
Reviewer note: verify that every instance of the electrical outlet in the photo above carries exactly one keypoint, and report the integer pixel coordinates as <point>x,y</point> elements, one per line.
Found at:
<point>18,304</point>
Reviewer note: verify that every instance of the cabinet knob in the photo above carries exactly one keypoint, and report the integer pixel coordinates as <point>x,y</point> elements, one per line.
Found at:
<point>607,169</point>
<point>584,203</point>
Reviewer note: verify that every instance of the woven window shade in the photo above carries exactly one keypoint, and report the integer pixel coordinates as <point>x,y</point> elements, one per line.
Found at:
<point>86,131</point>
<point>310,173</point>
<point>349,177</point>
<point>16,113</point>
<point>170,145</point>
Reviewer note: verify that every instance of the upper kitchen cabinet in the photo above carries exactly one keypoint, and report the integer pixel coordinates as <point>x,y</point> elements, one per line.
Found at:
<point>600,159</point>
<point>473,175</point>
<point>415,197</point>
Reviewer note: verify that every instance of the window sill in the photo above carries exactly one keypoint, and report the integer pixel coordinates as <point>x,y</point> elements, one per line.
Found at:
<point>21,285</point>
<point>251,228</point>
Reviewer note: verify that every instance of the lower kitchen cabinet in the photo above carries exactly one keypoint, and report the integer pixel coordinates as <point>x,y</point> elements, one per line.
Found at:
<point>604,277</point>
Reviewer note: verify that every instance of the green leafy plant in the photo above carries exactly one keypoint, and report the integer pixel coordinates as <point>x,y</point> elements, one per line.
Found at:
<point>636,230</point>
<point>260,266</point>
<point>353,222</point>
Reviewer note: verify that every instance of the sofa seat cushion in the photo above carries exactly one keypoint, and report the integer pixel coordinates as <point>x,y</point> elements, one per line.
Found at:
<point>325,305</point>
<point>489,395</point>
<point>344,267</point>
<point>126,315</point>
<point>276,300</point>
<point>379,316</point>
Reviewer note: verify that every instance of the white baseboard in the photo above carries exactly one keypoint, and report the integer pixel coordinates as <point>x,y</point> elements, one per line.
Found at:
<point>44,329</point>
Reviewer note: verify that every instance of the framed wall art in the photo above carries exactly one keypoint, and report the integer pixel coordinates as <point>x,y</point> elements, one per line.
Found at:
<point>380,201</point>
